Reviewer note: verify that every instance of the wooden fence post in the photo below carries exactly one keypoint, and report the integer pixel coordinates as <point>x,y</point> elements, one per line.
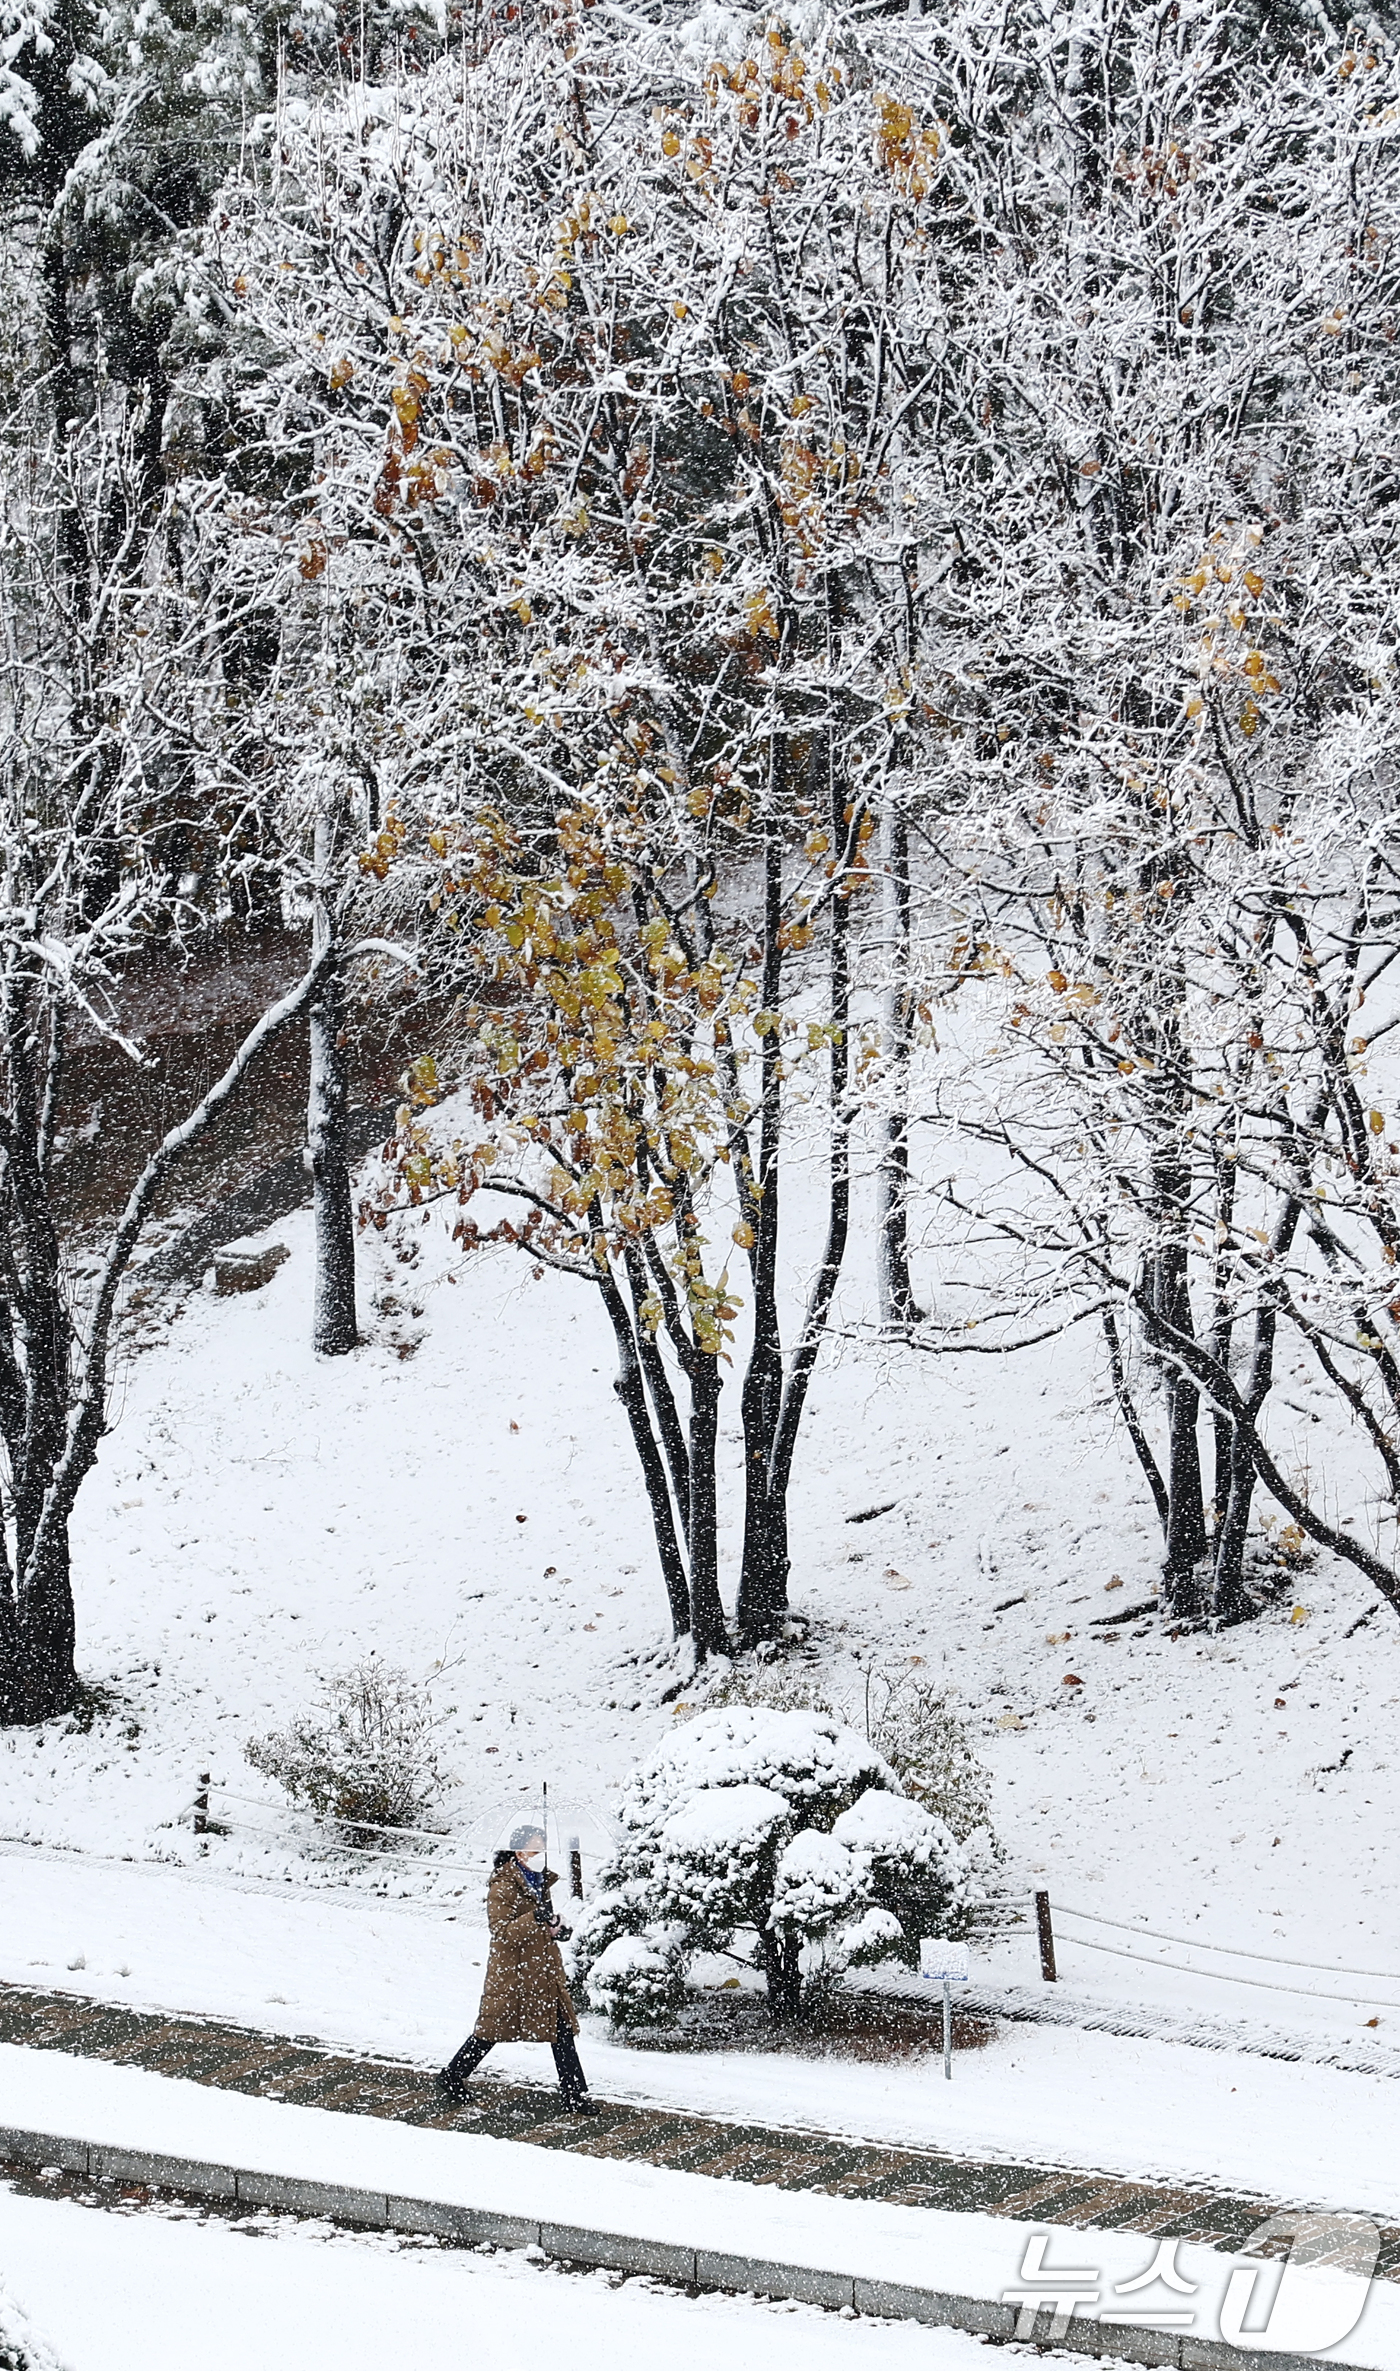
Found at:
<point>1047,1937</point>
<point>575,1869</point>
<point>201,1808</point>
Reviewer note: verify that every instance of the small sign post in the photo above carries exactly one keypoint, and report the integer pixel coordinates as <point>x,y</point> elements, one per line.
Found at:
<point>945,1964</point>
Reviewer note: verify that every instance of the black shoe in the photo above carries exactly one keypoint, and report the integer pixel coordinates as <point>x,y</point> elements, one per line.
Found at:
<point>447,2087</point>
<point>582,2106</point>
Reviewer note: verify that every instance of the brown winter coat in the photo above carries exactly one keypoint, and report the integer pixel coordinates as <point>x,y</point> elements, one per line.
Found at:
<point>525,1986</point>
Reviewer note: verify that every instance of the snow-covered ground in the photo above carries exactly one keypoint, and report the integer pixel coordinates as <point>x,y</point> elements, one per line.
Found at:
<point>404,1980</point>
<point>165,2293</point>
<point>1323,2309</point>
<point>259,1516</point>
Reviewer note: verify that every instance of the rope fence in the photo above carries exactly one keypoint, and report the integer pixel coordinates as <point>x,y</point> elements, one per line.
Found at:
<point>340,1829</point>
<point>1191,1943</point>
<point>204,1822</point>
<point>1196,1943</point>
<point>372,1827</point>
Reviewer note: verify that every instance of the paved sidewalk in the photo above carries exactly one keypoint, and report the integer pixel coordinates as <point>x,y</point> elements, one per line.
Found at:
<point>304,2072</point>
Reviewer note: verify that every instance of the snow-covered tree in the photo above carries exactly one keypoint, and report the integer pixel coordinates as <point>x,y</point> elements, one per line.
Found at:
<point>117,124</point>
<point>583,395</point>
<point>1167,707</point>
<point>104,693</point>
<point>783,1833</point>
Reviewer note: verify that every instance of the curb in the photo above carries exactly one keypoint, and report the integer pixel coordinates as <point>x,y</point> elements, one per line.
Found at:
<point>698,2268</point>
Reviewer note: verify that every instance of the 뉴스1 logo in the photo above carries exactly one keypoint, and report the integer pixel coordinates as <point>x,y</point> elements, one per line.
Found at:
<point>1302,2286</point>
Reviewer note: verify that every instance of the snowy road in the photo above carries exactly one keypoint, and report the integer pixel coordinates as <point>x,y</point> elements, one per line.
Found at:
<point>155,2293</point>
<point>387,1978</point>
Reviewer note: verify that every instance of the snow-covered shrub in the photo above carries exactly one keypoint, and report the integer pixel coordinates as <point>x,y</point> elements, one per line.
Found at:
<point>21,2347</point>
<point>367,1755</point>
<point>783,1831</point>
<point>775,1684</point>
<point>921,1736</point>
<point>916,1872</point>
<point>817,1884</point>
<point>637,1980</point>
<point>908,1720</point>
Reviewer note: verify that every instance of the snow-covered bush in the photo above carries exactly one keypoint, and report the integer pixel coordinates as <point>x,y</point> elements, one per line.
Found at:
<point>779,1685</point>
<point>636,1979</point>
<point>783,1831</point>
<point>922,1737</point>
<point>21,2347</point>
<point>908,1720</point>
<point>367,1755</point>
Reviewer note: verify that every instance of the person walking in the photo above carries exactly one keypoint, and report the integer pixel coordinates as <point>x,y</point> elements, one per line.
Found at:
<point>526,1995</point>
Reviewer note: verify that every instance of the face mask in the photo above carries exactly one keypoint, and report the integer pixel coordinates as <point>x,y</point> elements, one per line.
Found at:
<point>533,1860</point>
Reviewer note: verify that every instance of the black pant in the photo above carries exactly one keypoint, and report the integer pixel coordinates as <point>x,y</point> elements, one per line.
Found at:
<point>572,2082</point>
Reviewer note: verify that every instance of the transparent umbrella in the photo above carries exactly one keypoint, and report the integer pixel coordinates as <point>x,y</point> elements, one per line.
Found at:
<point>579,1837</point>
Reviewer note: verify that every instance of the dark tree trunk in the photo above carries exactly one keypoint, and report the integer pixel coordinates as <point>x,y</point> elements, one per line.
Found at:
<point>1142,1447</point>
<point>38,1635</point>
<point>814,1323</point>
<point>1186,1518</point>
<point>631,1390</point>
<point>658,1383</point>
<point>706,1610</point>
<point>335,1328</point>
<point>37,1675</point>
<point>1221,1332</point>
<point>761,1606</point>
<point>898,1308</point>
<point>774,1400</point>
<point>782,1969</point>
<point>1231,1600</point>
<point>54,1382</point>
<point>762,1598</point>
<point>1223,1458</point>
<point>1182,1579</point>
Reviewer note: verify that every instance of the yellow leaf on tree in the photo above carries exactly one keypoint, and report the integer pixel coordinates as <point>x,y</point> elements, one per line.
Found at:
<point>744,1236</point>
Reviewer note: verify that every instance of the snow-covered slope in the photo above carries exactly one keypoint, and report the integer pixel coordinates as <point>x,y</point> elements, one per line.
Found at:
<point>461,1491</point>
